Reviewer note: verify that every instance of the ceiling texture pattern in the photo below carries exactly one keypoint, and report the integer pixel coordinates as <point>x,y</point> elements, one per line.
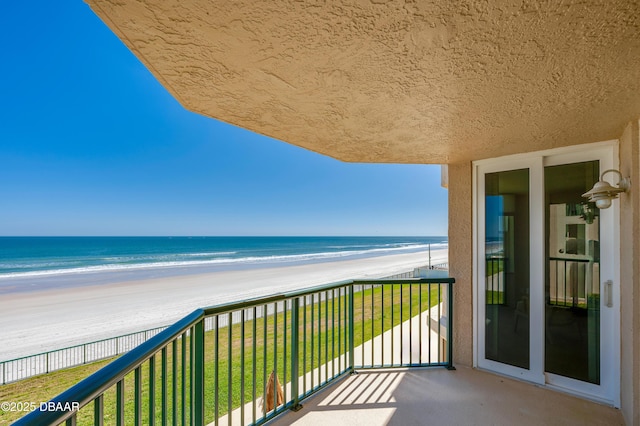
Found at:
<point>396,81</point>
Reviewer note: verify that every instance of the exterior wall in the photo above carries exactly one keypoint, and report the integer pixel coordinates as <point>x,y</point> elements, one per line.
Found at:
<point>461,260</point>
<point>461,266</point>
<point>630,275</point>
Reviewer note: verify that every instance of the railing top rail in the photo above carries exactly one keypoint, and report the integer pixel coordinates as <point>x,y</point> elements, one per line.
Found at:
<point>96,384</point>
<point>447,280</point>
<point>243,304</point>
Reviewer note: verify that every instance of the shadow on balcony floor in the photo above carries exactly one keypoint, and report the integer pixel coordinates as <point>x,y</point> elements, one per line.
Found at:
<point>441,397</point>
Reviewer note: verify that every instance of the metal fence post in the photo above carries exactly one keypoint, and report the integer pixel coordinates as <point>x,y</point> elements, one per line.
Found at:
<point>295,354</point>
<point>450,327</point>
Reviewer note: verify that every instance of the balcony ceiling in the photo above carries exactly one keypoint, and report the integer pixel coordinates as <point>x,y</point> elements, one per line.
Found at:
<point>394,81</point>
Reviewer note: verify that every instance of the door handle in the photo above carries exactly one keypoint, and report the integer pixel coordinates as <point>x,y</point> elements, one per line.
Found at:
<point>608,296</point>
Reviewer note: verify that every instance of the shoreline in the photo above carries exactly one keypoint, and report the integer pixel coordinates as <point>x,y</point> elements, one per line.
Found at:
<point>67,279</point>
<point>46,319</point>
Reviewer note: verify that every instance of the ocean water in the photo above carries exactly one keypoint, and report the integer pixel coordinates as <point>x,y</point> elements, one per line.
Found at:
<point>58,258</point>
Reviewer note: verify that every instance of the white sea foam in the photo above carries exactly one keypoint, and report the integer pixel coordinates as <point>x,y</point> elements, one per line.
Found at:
<point>136,263</point>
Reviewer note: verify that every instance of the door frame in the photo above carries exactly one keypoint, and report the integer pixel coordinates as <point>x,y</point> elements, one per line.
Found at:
<point>607,152</point>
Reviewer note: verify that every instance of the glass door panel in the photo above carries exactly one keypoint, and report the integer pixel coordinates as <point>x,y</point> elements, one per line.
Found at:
<point>506,290</point>
<point>572,287</point>
<point>544,256</point>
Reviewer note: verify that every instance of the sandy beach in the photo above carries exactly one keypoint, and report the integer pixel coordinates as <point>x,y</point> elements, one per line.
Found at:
<point>38,321</point>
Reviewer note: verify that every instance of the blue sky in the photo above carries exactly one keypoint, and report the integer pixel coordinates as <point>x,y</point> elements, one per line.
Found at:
<point>92,144</point>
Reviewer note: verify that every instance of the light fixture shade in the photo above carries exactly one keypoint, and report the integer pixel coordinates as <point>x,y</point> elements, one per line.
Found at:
<point>602,189</point>
<point>602,192</point>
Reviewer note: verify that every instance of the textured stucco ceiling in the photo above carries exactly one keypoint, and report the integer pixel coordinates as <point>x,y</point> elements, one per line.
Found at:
<point>396,81</point>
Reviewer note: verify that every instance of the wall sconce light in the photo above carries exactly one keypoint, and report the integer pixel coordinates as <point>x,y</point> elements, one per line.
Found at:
<point>602,193</point>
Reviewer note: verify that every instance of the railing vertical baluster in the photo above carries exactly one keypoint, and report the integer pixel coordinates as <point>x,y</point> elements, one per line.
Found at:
<point>504,286</point>
<point>284,349</point>
<point>264,361</point>
<point>438,322</point>
<point>198,368</point>
<point>401,325</point>
<point>183,378</point>
<point>410,324</point>
<point>319,339</point>
<point>333,333</point>
<point>313,351</point>
<point>382,321</point>
<point>98,411</point>
<point>137,405</point>
<point>229,366</point>
<point>72,421</point>
<point>174,381</point>
<point>120,403</point>
<point>295,371</point>
<point>351,327</point>
<point>216,372</point>
<point>152,390</point>
<point>254,368</point>
<point>362,294</point>
<point>275,356</point>
<point>393,324</point>
<point>495,286</point>
<point>493,275</point>
<point>429,286</point>
<point>164,386</point>
<point>420,320</point>
<point>340,329</point>
<point>242,332</point>
<point>373,326</point>
<point>304,345</point>
<point>346,325</point>
<point>192,375</point>
<point>326,336</point>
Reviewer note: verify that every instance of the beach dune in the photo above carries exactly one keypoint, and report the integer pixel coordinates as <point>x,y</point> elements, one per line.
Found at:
<point>39,321</point>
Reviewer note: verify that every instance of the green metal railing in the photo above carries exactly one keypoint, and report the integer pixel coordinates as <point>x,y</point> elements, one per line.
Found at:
<point>263,356</point>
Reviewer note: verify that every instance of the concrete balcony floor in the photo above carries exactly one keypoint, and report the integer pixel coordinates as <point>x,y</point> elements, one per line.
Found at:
<point>437,396</point>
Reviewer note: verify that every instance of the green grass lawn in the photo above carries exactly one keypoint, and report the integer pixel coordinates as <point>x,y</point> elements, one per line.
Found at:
<point>323,336</point>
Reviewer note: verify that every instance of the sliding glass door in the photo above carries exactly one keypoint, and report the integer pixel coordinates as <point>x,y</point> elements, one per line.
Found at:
<point>572,279</point>
<point>545,272</point>
<point>506,277</point>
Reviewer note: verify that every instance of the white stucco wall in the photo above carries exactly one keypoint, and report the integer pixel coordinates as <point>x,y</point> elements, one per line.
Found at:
<point>630,275</point>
